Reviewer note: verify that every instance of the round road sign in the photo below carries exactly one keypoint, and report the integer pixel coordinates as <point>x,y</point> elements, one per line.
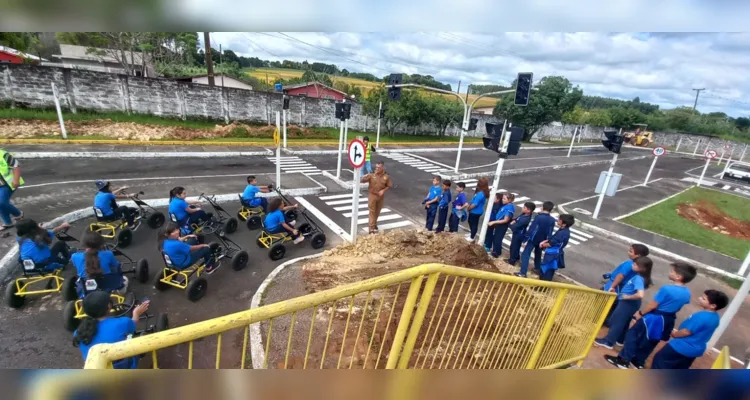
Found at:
<point>658,151</point>
<point>356,153</point>
<point>710,154</point>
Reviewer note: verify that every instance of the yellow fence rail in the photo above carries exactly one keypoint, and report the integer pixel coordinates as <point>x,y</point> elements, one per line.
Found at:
<point>724,360</point>
<point>430,316</point>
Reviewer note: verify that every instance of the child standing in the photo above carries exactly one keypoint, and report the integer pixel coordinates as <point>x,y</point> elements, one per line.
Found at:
<point>655,322</point>
<point>629,298</point>
<point>457,212</point>
<point>250,195</point>
<point>476,207</point>
<point>554,255</point>
<point>502,222</point>
<point>617,278</point>
<point>431,202</point>
<point>489,238</point>
<point>368,151</point>
<point>518,227</point>
<point>689,342</point>
<point>539,231</point>
<point>443,205</point>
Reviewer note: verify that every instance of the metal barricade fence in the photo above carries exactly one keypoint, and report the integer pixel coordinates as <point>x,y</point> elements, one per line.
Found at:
<point>429,316</point>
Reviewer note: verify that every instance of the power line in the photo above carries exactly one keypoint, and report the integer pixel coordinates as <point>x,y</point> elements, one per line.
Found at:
<point>326,50</point>
<point>262,48</point>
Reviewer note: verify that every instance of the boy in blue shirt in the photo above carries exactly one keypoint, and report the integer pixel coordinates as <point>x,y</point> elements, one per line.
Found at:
<point>250,195</point>
<point>105,203</point>
<point>457,212</point>
<point>689,342</point>
<point>431,202</point>
<point>518,228</point>
<point>489,238</point>
<point>501,222</point>
<point>539,231</point>
<point>276,223</point>
<point>629,298</point>
<point>622,274</point>
<point>655,322</point>
<point>443,205</point>
<point>554,255</point>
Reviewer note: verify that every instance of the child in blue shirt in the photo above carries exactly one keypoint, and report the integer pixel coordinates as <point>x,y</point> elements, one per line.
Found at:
<point>457,212</point>
<point>105,203</point>
<point>554,253</point>
<point>689,342</point>
<point>98,327</point>
<point>518,228</point>
<point>250,195</point>
<point>275,222</point>
<point>185,212</point>
<point>489,237</point>
<point>622,274</point>
<point>431,202</point>
<point>443,205</point>
<point>95,263</point>
<point>655,322</point>
<point>476,206</point>
<point>540,230</point>
<point>34,244</point>
<point>183,251</point>
<point>629,298</point>
<point>501,223</point>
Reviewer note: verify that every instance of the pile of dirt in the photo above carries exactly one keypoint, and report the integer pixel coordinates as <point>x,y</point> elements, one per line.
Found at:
<point>710,216</point>
<point>20,129</point>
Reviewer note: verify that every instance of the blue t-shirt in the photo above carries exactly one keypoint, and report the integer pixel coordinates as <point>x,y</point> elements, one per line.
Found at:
<point>479,199</point>
<point>701,326</point>
<point>671,298</point>
<point>112,330</point>
<point>273,220</point>
<point>179,207</point>
<point>626,269</point>
<point>445,199</point>
<point>433,193</point>
<point>541,228</point>
<point>632,286</point>
<point>249,195</point>
<point>505,211</point>
<point>460,200</point>
<point>178,252</point>
<point>30,250</point>
<point>107,262</point>
<point>104,201</point>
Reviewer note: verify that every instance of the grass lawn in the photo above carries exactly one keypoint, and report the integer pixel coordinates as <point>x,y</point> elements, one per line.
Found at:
<point>663,219</point>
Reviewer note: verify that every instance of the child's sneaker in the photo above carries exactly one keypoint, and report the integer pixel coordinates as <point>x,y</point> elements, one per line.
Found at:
<point>292,223</point>
<point>617,362</point>
<point>618,344</point>
<point>602,343</point>
<point>468,238</point>
<point>520,275</point>
<point>210,269</point>
<point>299,239</point>
<point>487,249</point>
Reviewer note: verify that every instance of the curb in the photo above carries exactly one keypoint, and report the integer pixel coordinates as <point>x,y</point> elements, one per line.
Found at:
<point>257,352</point>
<point>122,155</point>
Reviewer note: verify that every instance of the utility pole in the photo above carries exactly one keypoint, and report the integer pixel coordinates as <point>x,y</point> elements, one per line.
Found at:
<point>458,90</point>
<point>209,64</point>
<point>221,62</point>
<point>697,92</point>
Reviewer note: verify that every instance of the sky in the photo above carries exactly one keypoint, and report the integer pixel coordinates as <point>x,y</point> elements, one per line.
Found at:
<point>660,68</point>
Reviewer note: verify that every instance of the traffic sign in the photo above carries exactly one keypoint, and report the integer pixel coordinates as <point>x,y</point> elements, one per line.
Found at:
<point>711,154</point>
<point>356,153</point>
<point>659,151</point>
<point>276,138</point>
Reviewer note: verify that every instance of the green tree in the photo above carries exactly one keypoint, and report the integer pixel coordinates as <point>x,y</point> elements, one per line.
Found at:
<point>625,117</point>
<point>26,42</point>
<point>576,116</point>
<point>444,112</point>
<point>742,123</point>
<point>555,96</point>
<point>598,117</point>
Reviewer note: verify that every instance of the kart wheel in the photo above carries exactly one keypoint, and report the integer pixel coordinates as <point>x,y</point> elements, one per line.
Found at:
<point>11,298</point>
<point>318,240</point>
<point>259,242</point>
<point>69,290</point>
<point>69,316</point>
<point>305,229</point>
<point>231,225</point>
<point>254,222</point>
<point>162,322</point>
<point>290,215</point>
<point>141,270</point>
<point>124,238</point>
<point>197,289</point>
<point>239,260</point>
<point>277,252</point>
<point>156,220</point>
<point>158,284</point>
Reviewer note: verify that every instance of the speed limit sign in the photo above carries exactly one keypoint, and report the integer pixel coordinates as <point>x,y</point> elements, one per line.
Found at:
<point>659,151</point>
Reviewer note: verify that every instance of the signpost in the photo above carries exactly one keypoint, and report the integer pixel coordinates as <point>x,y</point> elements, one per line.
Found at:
<point>710,155</point>
<point>356,156</point>
<point>573,140</point>
<point>726,164</point>
<point>278,151</point>
<point>608,177</point>
<point>723,150</point>
<point>658,152</point>
<point>380,117</point>
<point>59,111</point>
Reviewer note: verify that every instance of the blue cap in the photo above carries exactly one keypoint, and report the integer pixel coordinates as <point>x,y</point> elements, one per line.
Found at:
<point>101,184</point>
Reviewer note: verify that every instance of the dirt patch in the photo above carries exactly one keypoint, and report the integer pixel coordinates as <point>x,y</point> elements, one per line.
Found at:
<point>20,129</point>
<point>710,216</point>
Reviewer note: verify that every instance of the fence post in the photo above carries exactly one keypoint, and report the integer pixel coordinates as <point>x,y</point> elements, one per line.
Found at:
<point>547,329</point>
<point>416,325</point>
<point>610,301</point>
<point>403,323</point>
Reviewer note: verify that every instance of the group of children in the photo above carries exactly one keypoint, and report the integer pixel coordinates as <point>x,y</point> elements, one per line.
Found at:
<point>538,234</point>
<point>638,331</point>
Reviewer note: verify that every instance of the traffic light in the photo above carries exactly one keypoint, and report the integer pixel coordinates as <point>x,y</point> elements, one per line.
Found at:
<point>343,111</point>
<point>523,88</point>
<point>514,145</point>
<point>491,140</point>
<point>286,103</point>
<point>473,124</point>
<point>394,93</point>
<point>613,141</point>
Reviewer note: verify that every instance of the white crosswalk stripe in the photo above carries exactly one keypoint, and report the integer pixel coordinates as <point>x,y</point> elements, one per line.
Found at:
<point>343,203</point>
<point>418,163</point>
<point>296,164</point>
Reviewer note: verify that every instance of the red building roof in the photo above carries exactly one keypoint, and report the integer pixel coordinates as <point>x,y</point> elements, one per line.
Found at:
<point>13,56</point>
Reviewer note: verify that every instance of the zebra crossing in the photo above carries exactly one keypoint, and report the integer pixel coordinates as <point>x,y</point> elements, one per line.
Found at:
<point>342,204</point>
<point>721,185</point>
<point>296,164</point>
<point>416,162</point>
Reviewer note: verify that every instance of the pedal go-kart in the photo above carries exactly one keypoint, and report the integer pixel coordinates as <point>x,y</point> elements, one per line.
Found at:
<point>120,230</point>
<point>34,274</point>
<point>220,221</point>
<point>191,278</point>
<point>275,241</point>
<point>253,216</point>
<point>122,306</point>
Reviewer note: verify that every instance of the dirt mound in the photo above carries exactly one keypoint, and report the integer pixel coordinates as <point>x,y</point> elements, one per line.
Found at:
<point>708,215</point>
<point>19,129</point>
<point>376,255</point>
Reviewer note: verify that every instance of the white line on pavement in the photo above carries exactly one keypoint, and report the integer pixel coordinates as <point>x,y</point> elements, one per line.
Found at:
<point>324,219</point>
<point>380,218</point>
<point>428,160</point>
<point>391,225</point>
<point>618,190</point>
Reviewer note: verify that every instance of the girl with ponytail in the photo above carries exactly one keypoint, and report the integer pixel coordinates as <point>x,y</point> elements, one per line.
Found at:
<point>186,212</point>
<point>94,262</point>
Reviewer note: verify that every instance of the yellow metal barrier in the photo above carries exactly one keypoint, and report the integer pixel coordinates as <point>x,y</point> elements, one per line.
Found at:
<point>723,361</point>
<point>430,316</point>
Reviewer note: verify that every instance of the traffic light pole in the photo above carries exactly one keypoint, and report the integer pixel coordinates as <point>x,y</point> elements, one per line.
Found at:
<point>341,140</point>
<point>606,185</point>
<point>284,123</point>
<point>572,140</point>
<point>495,184</point>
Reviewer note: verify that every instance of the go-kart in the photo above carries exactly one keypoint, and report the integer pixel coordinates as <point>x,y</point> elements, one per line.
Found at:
<point>275,241</point>
<point>122,306</point>
<point>120,229</point>
<point>252,215</point>
<point>220,220</point>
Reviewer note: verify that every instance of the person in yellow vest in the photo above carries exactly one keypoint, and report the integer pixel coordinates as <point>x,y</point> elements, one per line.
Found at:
<point>368,150</point>
<point>10,180</point>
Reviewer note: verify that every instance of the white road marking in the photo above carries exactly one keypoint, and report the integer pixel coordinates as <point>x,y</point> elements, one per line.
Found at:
<point>336,196</point>
<point>347,201</point>
<point>391,225</point>
<point>380,218</point>
<point>382,211</point>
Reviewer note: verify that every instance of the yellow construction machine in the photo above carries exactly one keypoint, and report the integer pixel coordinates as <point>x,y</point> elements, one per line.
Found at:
<point>639,137</point>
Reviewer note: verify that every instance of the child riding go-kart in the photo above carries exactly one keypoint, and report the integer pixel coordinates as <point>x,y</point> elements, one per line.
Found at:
<point>282,225</point>
<point>119,222</point>
<point>252,207</point>
<point>192,219</point>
